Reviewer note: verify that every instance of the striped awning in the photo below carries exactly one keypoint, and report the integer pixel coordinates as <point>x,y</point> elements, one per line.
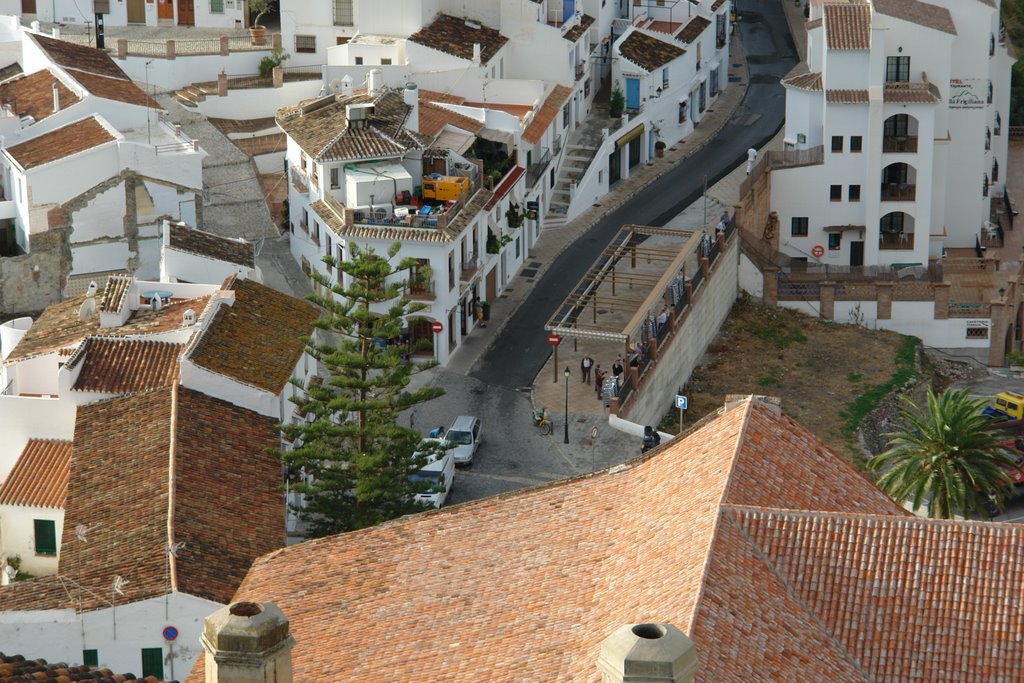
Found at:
<point>630,136</point>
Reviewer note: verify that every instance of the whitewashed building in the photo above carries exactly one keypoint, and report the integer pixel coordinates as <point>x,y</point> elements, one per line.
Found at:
<point>202,13</point>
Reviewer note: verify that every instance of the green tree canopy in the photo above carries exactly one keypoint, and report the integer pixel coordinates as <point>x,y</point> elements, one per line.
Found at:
<point>356,459</point>
<point>945,455</point>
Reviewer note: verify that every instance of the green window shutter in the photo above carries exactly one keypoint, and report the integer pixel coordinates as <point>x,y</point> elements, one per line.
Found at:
<point>217,6</point>
<point>91,657</point>
<point>46,537</point>
<point>153,662</point>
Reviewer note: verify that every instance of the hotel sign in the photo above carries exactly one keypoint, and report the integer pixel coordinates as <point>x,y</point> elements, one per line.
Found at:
<point>967,93</point>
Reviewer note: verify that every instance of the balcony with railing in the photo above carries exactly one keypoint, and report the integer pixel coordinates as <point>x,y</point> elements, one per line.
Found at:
<point>581,70</point>
<point>536,170</point>
<point>422,291</point>
<point>898,144</point>
<point>896,241</point>
<point>470,269</point>
<point>299,181</point>
<point>898,192</point>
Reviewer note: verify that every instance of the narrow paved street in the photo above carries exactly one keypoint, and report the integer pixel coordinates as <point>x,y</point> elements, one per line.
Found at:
<point>520,351</point>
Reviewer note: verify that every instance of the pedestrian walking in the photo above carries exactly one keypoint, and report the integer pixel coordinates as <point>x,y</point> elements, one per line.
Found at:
<point>751,158</point>
<point>585,366</point>
<point>599,376</point>
<point>480,315</point>
<point>617,370</point>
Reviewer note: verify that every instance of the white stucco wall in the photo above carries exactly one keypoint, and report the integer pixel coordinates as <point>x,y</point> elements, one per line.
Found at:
<point>17,537</point>
<point>20,421</point>
<point>252,103</point>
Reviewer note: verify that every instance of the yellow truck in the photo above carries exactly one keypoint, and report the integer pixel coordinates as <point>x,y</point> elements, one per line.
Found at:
<point>1007,405</point>
<point>446,188</point>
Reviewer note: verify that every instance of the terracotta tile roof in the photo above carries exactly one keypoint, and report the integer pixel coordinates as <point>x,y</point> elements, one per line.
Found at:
<point>917,12</point>
<point>716,4</point>
<point>40,476</point>
<point>115,293</point>
<point>567,562</point>
<point>577,31</point>
<point>546,114</point>
<point>123,366</point>
<point>454,36</point>
<point>840,96</point>
<point>848,26</point>
<point>212,246</point>
<point>325,133</point>
<point>10,71</point>
<point>911,93</point>
<point>81,57</point>
<point>227,506</point>
<point>32,94</point>
<point>61,142</point>
<point>648,52</point>
<point>433,118</point>
<point>58,327</point>
<point>908,598</point>
<point>383,232</point>
<point>693,29</point>
<point>256,340</point>
<point>814,23</point>
<point>807,81</point>
<point>18,669</point>
<point>505,187</point>
<point>119,89</point>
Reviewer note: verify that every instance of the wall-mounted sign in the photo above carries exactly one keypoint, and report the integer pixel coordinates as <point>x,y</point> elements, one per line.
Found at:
<point>801,138</point>
<point>967,93</point>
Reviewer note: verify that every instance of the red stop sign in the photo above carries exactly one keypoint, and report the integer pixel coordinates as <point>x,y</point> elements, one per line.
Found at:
<point>554,339</point>
<point>436,326</point>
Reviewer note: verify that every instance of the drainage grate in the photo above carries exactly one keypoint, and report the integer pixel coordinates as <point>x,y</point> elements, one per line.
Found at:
<point>528,272</point>
<point>534,264</point>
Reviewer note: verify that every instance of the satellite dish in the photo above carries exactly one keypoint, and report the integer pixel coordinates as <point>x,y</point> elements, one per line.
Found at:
<point>335,85</point>
<point>80,531</point>
<point>11,572</point>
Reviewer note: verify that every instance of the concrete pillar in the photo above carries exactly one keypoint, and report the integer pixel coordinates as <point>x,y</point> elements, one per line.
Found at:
<point>705,266</point>
<point>884,297</point>
<point>247,642</point>
<point>652,349</point>
<point>647,653</point>
<point>689,293</point>
<point>275,40</point>
<point>771,285</point>
<point>941,300</point>
<point>222,84</point>
<point>170,49</point>
<point>225,48</point>
<point>278,74</point>
<point>122,48</point>
<point>828,300</point>
<point>613,405</point>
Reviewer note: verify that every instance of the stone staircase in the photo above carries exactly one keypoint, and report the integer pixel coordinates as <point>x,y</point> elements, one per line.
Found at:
<point>191,95</point>
<point>578,158</point>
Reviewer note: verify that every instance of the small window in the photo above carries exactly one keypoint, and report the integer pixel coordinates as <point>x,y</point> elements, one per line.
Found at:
<point>856,143</point>
<point>978,332</point>
<point>897,69</point>
<point>216,6</point>
<point>834,240</point>
<point>335,182</point>
<point>565,116</point>
<point>798,226</point>
<point>835,193</point>
<point>853,193</point>
<point>46,536</point>
<point>385,61</point>
<point>359,61</point>
<point>837,143</point>
<point>91,657</point>
<point>305,43</point>
<point>682,112</point>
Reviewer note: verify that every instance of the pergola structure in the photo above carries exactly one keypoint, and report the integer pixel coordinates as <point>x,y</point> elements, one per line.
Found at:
<point>627,285</point>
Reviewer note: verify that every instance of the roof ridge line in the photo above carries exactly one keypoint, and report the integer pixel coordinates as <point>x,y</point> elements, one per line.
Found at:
<point>172,564</point>
<point>907,519</point>
<point>840,648</point>
<point>714,531</point>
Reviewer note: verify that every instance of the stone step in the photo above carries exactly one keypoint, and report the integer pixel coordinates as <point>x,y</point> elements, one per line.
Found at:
<point>554,220</point>
<point>186,100</point>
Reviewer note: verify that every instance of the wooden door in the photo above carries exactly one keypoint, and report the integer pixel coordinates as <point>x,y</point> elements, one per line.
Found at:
<point>136,11</point>
<point>856,253</point>
<point>492,284</point>
<point>28,6</point>
<point>165,9</point>
<point>186,13</point>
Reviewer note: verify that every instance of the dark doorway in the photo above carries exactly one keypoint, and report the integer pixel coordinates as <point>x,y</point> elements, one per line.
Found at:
<point>856,253</point>
<point>186,13</point>
<point>614,166</point>
<point>28,6</point>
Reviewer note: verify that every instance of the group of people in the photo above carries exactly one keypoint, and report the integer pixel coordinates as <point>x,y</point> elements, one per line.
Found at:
<point>587,366</point>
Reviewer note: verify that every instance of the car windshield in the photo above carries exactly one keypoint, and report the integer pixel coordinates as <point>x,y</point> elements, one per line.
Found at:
<point>461,438</point>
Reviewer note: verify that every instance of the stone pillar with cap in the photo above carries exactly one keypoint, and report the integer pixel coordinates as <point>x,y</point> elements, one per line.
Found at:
<point>247,642</point>
<point>647,653</point>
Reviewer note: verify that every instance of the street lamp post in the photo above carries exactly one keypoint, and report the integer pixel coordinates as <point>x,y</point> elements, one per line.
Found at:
<point>566,373</point>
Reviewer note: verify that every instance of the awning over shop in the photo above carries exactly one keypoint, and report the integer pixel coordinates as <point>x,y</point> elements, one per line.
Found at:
<point>630,136</point>
<point>843,228</point>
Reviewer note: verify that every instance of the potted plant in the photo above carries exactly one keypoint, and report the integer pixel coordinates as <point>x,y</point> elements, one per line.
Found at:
<point>616,103</point>
<point>659,149</point>
<point>257,10</point>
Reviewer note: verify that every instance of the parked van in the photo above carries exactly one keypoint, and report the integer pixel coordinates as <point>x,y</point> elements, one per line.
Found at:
<point>438,473</point>
<point>465,434</point>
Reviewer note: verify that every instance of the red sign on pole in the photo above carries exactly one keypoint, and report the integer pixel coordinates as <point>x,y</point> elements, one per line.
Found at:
<point>817,251</point>
<point>437,326</point>
<point>554,339</point>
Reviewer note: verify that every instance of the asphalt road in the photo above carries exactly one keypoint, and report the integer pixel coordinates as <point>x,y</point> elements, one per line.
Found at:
<point>520,351</point>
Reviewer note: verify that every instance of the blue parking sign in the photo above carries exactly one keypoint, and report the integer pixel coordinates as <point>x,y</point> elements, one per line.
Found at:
<point>681,402</point>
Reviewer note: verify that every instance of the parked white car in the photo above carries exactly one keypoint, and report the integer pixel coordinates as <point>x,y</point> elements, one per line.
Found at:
<point>439,472</point>
<point>465,434</point>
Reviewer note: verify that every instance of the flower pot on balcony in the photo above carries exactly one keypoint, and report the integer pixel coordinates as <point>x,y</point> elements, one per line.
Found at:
<point>258,34</point>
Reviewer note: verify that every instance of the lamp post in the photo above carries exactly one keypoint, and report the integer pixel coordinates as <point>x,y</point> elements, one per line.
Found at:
<point>566,373</point>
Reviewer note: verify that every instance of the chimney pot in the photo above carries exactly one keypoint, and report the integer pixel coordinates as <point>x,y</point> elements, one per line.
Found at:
<point>647,653</point>
<point>247,642</point>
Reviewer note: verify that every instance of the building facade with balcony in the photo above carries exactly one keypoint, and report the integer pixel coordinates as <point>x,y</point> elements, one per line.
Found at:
<point>362,175</point>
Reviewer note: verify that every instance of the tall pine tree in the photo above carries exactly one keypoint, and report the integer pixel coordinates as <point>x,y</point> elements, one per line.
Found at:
<point>357,459</point>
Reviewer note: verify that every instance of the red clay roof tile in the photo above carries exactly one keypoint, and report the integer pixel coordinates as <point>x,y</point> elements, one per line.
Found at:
<point>40,477</point>
<point>72,138</point>
<point>546,114</point>
<point>123,366</point>
<point>32,94</point>
<point>648,52</point>
<point>455,36</point>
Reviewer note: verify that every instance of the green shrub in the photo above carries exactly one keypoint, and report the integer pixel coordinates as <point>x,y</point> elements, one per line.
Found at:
<point>271,62</point>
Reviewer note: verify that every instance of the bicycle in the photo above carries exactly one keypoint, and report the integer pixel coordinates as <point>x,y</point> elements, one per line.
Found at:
<point>543,422</point>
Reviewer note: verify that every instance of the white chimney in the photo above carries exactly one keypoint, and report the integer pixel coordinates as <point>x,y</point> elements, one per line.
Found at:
<point>375,81</point>
<point>411,94</point>
<point>647,653</point>
<point>476,54</point>
<point>56,97</point>
<point>247,642</point>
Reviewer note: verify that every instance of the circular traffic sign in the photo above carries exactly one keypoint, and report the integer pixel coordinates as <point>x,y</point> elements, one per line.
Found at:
<point>170,633</point>
<point>817,251</point>
<point>437,326</point>
<point>554,339</point>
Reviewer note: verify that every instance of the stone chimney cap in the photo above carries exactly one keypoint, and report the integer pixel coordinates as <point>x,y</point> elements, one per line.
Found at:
<point>647,653</point>
<point>246,628</point>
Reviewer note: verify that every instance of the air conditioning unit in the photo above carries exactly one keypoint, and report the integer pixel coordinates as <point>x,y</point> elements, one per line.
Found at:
<point>359,112</point>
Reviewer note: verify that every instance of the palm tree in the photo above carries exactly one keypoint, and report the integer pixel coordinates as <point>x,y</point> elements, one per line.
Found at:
<point>946,454</point>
